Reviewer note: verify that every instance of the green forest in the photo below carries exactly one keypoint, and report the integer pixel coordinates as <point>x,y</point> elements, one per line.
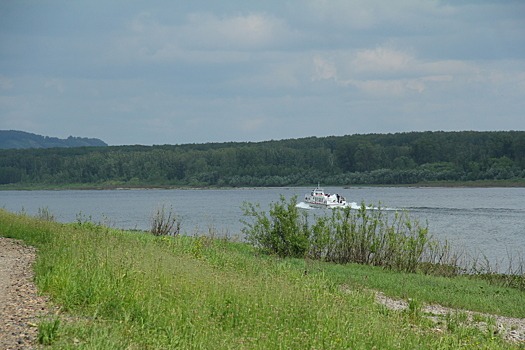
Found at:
<point>389,159</point>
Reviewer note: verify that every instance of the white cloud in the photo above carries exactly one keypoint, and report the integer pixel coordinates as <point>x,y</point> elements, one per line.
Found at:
<point>240,32</point>
<point>324,69</point>
<point>367,14</point>
<point>381,70</point>
<point>386,71</point>
<point>382,59</point>
<point>381,87</point>
<point>202,37</point>
<point>364,64</point>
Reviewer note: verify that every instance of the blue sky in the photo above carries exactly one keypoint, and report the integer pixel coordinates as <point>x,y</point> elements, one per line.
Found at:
<point>173,72</point>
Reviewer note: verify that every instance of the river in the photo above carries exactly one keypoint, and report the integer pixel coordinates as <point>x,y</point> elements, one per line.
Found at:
<point>489,221</point>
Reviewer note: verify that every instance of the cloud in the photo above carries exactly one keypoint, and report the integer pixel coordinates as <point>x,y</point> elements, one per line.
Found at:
<point>387,71</point>
<point>197,71</point>
<point>324,69</point>
<point>382,59</point>
<point>202,37</point>
<point>273,75</point>
<point>370,14</point>
<point>240,32</point>
<point>6,83</point>
<point>54,84</point>
<point>388,87</point>
<point>381,70</point>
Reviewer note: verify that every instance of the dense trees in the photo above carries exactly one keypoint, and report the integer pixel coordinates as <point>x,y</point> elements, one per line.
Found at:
<point>401,158</point>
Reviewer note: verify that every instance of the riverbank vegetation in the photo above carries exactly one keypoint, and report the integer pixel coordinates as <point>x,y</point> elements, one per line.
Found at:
<point>119,289</point>
<point>366,236</point>
<point>373,159</point>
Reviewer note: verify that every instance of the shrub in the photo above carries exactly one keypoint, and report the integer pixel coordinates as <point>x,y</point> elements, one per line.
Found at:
<point>165,222</point>
<point>362,236</point>
<point>365,236</point>
<point>285,232</point>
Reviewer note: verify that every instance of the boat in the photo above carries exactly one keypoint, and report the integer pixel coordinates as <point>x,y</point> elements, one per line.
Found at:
<point>318,198</point>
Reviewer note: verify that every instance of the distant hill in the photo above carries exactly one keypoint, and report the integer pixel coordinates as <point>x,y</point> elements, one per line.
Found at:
<point>22,139</point>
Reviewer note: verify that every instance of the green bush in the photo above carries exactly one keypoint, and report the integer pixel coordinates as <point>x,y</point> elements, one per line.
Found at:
<point>362,236</point>
<point>285,232</point>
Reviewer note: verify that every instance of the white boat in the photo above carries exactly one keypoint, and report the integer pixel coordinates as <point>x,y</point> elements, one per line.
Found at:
<point>318,198</point>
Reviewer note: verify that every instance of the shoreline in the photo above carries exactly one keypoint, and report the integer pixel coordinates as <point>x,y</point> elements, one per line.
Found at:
<point>519,183</point>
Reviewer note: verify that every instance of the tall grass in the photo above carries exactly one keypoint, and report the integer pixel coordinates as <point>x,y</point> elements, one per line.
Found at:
<point>127,290</point>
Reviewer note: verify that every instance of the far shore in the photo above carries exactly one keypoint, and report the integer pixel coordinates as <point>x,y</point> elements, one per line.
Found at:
<point>123,186</point>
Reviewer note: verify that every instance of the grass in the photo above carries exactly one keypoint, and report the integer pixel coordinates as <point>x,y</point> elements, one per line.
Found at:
<point>462,292</point>
<point>122,290</point>
<point>48,331</point>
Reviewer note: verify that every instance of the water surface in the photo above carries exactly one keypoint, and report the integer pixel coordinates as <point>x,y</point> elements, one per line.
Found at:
<point>487,220</point>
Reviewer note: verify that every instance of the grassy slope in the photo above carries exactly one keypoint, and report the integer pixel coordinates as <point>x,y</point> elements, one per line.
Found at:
<point>129,290</point>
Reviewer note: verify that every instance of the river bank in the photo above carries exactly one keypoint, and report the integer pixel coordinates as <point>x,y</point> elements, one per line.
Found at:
<point>124,185</point>
<point>136,290</point>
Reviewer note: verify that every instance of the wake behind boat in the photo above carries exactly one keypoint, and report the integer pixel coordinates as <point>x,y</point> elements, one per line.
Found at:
<point>318,198</point>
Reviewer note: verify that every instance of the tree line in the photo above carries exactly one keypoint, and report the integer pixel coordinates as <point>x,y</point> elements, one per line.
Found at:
<point>401,158</point>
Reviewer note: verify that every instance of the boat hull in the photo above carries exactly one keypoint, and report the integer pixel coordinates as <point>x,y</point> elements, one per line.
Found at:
<point>325,205</point>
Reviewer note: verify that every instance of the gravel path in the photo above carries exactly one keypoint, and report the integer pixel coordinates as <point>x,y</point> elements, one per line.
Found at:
<point>511,329</point>
<point>20,305</point>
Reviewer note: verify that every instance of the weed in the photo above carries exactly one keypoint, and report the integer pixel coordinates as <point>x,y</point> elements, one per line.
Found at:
<point>478,318</point>
<point>414,309</point>
<point>48,331</point>
<point>384,310</point>
<point>45,214</point>
<point>462,316</point>
<point>82,219</point>
<point>164,222</point>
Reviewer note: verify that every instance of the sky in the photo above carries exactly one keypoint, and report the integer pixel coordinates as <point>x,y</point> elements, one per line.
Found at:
<point>175,72</point>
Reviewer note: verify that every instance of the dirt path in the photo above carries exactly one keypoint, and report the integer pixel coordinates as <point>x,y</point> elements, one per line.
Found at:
<point>20,305</point>
<point>511,329</point>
